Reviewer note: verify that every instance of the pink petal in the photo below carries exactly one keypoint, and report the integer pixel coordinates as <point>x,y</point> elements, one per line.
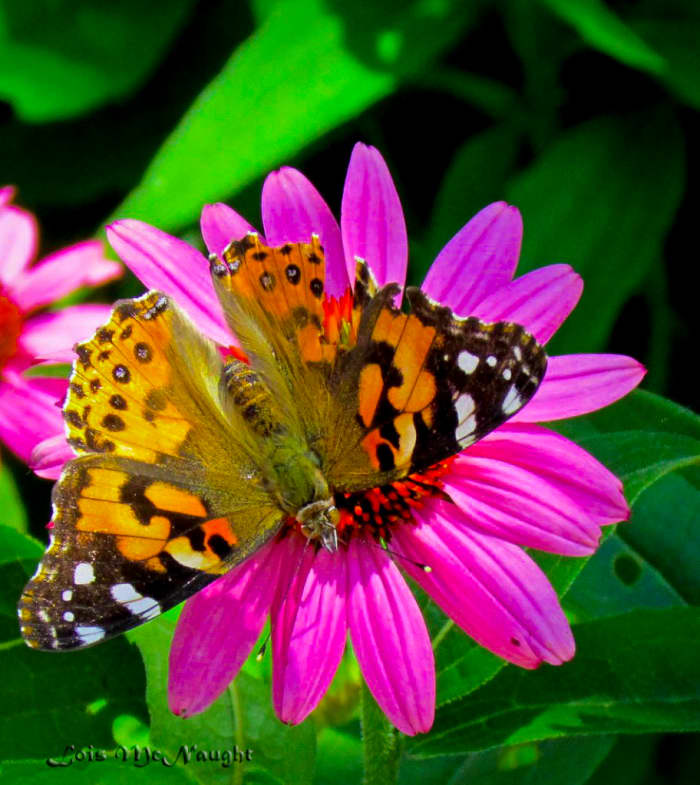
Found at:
<point>29,412</point>
<point>220,224</point>
<point>563,464</point>
<point>309,627</point>
<point>170,265</point>
<point>390,639</point>
<point>371,217</point>
<point>540,301</point>
<point>492,589</point>
<point>292,210</point>
<point>479,260</point>
<point>18,241</point>
<point>516,504</point>
<point>217,630</point>
<point>52,336</point>
<point>580,383</point>
<point>7,193</point>
<point>50,456</point>
<point>62,273</point>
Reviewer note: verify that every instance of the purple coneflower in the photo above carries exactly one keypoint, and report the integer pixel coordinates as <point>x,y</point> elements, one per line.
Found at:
<point>523,485</point>
<point>28,413</point>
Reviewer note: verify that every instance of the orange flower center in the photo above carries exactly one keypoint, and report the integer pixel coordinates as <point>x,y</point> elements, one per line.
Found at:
<point>10,329</point>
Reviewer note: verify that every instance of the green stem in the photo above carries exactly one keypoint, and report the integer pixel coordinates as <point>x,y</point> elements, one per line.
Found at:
<point>237,770</point>
<point>381,743</point>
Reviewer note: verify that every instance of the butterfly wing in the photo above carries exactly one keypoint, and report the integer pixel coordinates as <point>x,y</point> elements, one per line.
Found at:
<point>166,494</point>
<point>419,387</point>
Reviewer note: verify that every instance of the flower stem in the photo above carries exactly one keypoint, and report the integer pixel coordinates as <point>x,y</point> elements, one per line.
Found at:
<point>381,743</point>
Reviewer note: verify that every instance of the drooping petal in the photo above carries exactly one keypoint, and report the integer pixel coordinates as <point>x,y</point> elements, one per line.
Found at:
<point>173,267</point>
<point>52,336</point>
<point>18,240</point>
<point>217,630</point>
<point>516,504</point>
<point>390,639</point>
<point>580,383</point>
<point>478,260</point>
<point>309,627</point>
<point>220,224</point>
<point>540,300</point>
<point>62,273</point>
<point>29,411</point>
<point>292,209</point>
<point>48,458</point>
<point>491,588</point>
<point>372,220</point>
<point>563,464</point>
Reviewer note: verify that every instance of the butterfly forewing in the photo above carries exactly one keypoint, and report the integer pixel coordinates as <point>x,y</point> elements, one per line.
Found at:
<point>166,495</point>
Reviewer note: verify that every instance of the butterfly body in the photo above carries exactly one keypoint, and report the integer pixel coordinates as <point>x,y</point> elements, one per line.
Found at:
<point>187,463</point>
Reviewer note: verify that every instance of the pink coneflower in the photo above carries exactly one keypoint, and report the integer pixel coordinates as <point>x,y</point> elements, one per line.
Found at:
<point>28,413</point>
<point>522,485</point>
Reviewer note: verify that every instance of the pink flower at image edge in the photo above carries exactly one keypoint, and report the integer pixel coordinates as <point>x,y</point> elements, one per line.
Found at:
<point>31,335</point>
<point>522,485</point>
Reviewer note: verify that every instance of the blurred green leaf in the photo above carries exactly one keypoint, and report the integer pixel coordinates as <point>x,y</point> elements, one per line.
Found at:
<point>635,673</point>
<point>60,58</point>
<point>601,198</point>
<point>476,176</point>
<point>18,558</point>
<point>241,716</point>
<point>601,28</point>
<point>338,758</point>
<point>254,116</point>
<point>107,772</point>
<point>554,762</point>
<point>13,513</point>
<point>677,41</point>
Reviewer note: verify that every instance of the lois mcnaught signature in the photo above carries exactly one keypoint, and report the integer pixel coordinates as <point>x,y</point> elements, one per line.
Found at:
<point>141,756</point>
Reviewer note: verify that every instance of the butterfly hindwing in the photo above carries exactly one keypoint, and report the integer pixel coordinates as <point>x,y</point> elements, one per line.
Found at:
<point>162,500</point>
<point>426,385</point>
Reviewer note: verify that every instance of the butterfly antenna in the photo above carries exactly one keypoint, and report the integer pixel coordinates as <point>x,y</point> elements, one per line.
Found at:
<point>384,547</point>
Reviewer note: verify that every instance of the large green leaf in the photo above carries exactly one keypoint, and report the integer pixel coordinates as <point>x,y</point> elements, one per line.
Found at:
<point>242,716</point>
<point>599,27</point>
<point>59,58</point>
<point>13,513</point>
<point>601,198</point>
<point>635,673</point>
<point>554,762</point>
<point>309,67</point>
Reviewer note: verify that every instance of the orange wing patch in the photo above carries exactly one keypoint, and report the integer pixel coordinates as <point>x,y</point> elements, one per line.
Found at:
<point>117,399</point>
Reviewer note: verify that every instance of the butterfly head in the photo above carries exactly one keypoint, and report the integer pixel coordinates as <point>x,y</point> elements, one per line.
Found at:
<point>319,520</point>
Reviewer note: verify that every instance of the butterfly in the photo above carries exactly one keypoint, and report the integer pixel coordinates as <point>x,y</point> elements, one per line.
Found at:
<point>188,460</point>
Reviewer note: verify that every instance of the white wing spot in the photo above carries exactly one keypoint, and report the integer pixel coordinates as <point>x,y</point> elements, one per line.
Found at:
<point>126,594</point>
<point>507,374</point>
<point>512,402</point>
<point>89,634</point>
<point>67,595</point>
<point>517,353</point>
<point>83,573</point>
<point>491,361</point>
<point>467,361</point>
<point>68,616</point>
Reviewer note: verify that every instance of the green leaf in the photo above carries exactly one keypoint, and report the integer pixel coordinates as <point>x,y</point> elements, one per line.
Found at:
<point>18,557</point>
<point>599,27</point>
<point>677,41</point>
<point>106,772</point>
<point>241,717</point>
<point>60,58</point>
<point>554,762</point>
<point>338,757</point>
<point>476,176</point>
<point>13,513</point>
<point>635,673</point>
<point>331,62</point>
<point>601,198</point>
